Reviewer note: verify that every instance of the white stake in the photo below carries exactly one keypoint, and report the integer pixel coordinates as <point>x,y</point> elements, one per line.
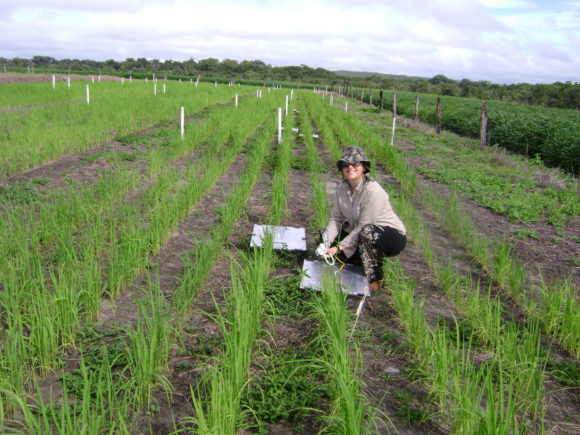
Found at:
<point>53,81</point>
<point>292,94</point>
<point>87,94</point>
<point>393,134</point>
<point>146,80</point>
<point>236,100</point>
<point>215,84</point>
<point>154,88</point>
<point>93,79</point>
<point>346,106</point>
<point>182,121</point>
<point>286,105</point>
<point>163,87</point>
<point>331,99</point>
<point>122,80</point>
<point>279,125</point>
<point>68,82</point>
<point>130,79</point>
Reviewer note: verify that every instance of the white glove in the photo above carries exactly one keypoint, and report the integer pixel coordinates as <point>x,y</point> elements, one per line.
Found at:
<point>321,250</point>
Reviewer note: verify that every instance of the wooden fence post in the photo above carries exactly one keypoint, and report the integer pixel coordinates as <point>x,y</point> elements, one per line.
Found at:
<point>381,100</point>
<point>416,115</point>
<point>371,96</point>
<point>438,117</point>
<point>483,125</point>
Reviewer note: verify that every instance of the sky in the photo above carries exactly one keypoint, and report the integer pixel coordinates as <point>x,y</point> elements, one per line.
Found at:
<point>500,41</point>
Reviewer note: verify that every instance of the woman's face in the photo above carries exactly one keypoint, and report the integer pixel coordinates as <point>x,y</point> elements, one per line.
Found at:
<point>353,173</point>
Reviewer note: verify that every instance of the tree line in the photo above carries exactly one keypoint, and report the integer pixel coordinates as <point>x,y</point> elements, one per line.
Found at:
<point>561,95</point>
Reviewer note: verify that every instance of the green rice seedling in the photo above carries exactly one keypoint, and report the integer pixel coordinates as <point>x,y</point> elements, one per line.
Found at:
<point>449,280</point>
<point>197,267</point>
<point>343,360</point>
<point>240,325</point>
<point>441,359</point>
<point>467,393</point>
<point>148,350</point>
<point>95,406</point>
<point>14,373</point>
<point>558,311</point>
<point>44,337</point>
<point>508,272</point>
<point>519,365</point>
<point>66,304</point>
<point>484,313</point>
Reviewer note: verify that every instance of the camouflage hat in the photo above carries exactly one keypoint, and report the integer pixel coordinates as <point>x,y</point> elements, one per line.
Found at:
<point>353,154</point>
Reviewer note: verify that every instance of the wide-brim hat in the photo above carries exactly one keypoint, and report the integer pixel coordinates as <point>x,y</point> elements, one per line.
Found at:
<point>353,154</point>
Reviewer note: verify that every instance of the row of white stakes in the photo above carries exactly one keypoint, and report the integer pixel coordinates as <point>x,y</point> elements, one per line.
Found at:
<point>182,118</point>
<point>183,109</point>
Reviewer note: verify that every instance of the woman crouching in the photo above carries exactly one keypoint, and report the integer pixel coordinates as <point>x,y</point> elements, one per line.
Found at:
<point>368,229</point>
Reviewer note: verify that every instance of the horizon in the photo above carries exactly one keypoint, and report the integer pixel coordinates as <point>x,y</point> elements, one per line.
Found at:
<point>500,41</point>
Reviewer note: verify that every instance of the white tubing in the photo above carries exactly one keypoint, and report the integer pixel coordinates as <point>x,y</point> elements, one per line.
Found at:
<point>279,125</point>
<point>182,121</point>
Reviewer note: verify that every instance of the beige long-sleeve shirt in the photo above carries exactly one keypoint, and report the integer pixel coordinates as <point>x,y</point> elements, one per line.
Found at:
<point>369,204</point>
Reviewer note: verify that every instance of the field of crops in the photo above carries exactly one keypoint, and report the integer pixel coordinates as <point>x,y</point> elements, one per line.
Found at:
<point>131,301</point>
<point>551,134</point>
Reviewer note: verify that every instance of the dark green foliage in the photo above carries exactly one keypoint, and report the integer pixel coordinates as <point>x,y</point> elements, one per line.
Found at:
<point>284,258</point>
<point>287,387</point>
<point>128,139</point>
<point>22,193</point>
<point>548,133</point>
<point>97,346</point>
<point>410,411</point>
<point>462,330</point>
<point>300,163</point>
<point>567,372</point>
<point>125,156</point>
<point>285,298</point>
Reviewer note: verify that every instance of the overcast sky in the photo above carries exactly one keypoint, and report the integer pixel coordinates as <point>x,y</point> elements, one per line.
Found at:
<point>502,41</point>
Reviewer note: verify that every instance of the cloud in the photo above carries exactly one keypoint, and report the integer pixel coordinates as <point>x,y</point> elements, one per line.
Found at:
<point>501,41</point>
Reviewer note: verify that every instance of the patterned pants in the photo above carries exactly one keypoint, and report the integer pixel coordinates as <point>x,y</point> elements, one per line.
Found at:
<point>374,244</point>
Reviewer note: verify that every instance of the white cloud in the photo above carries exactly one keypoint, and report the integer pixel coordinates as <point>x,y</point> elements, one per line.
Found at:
<point>495,40</point>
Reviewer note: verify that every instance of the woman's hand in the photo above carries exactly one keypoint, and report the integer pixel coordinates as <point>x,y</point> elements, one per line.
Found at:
<point>333,250</point>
